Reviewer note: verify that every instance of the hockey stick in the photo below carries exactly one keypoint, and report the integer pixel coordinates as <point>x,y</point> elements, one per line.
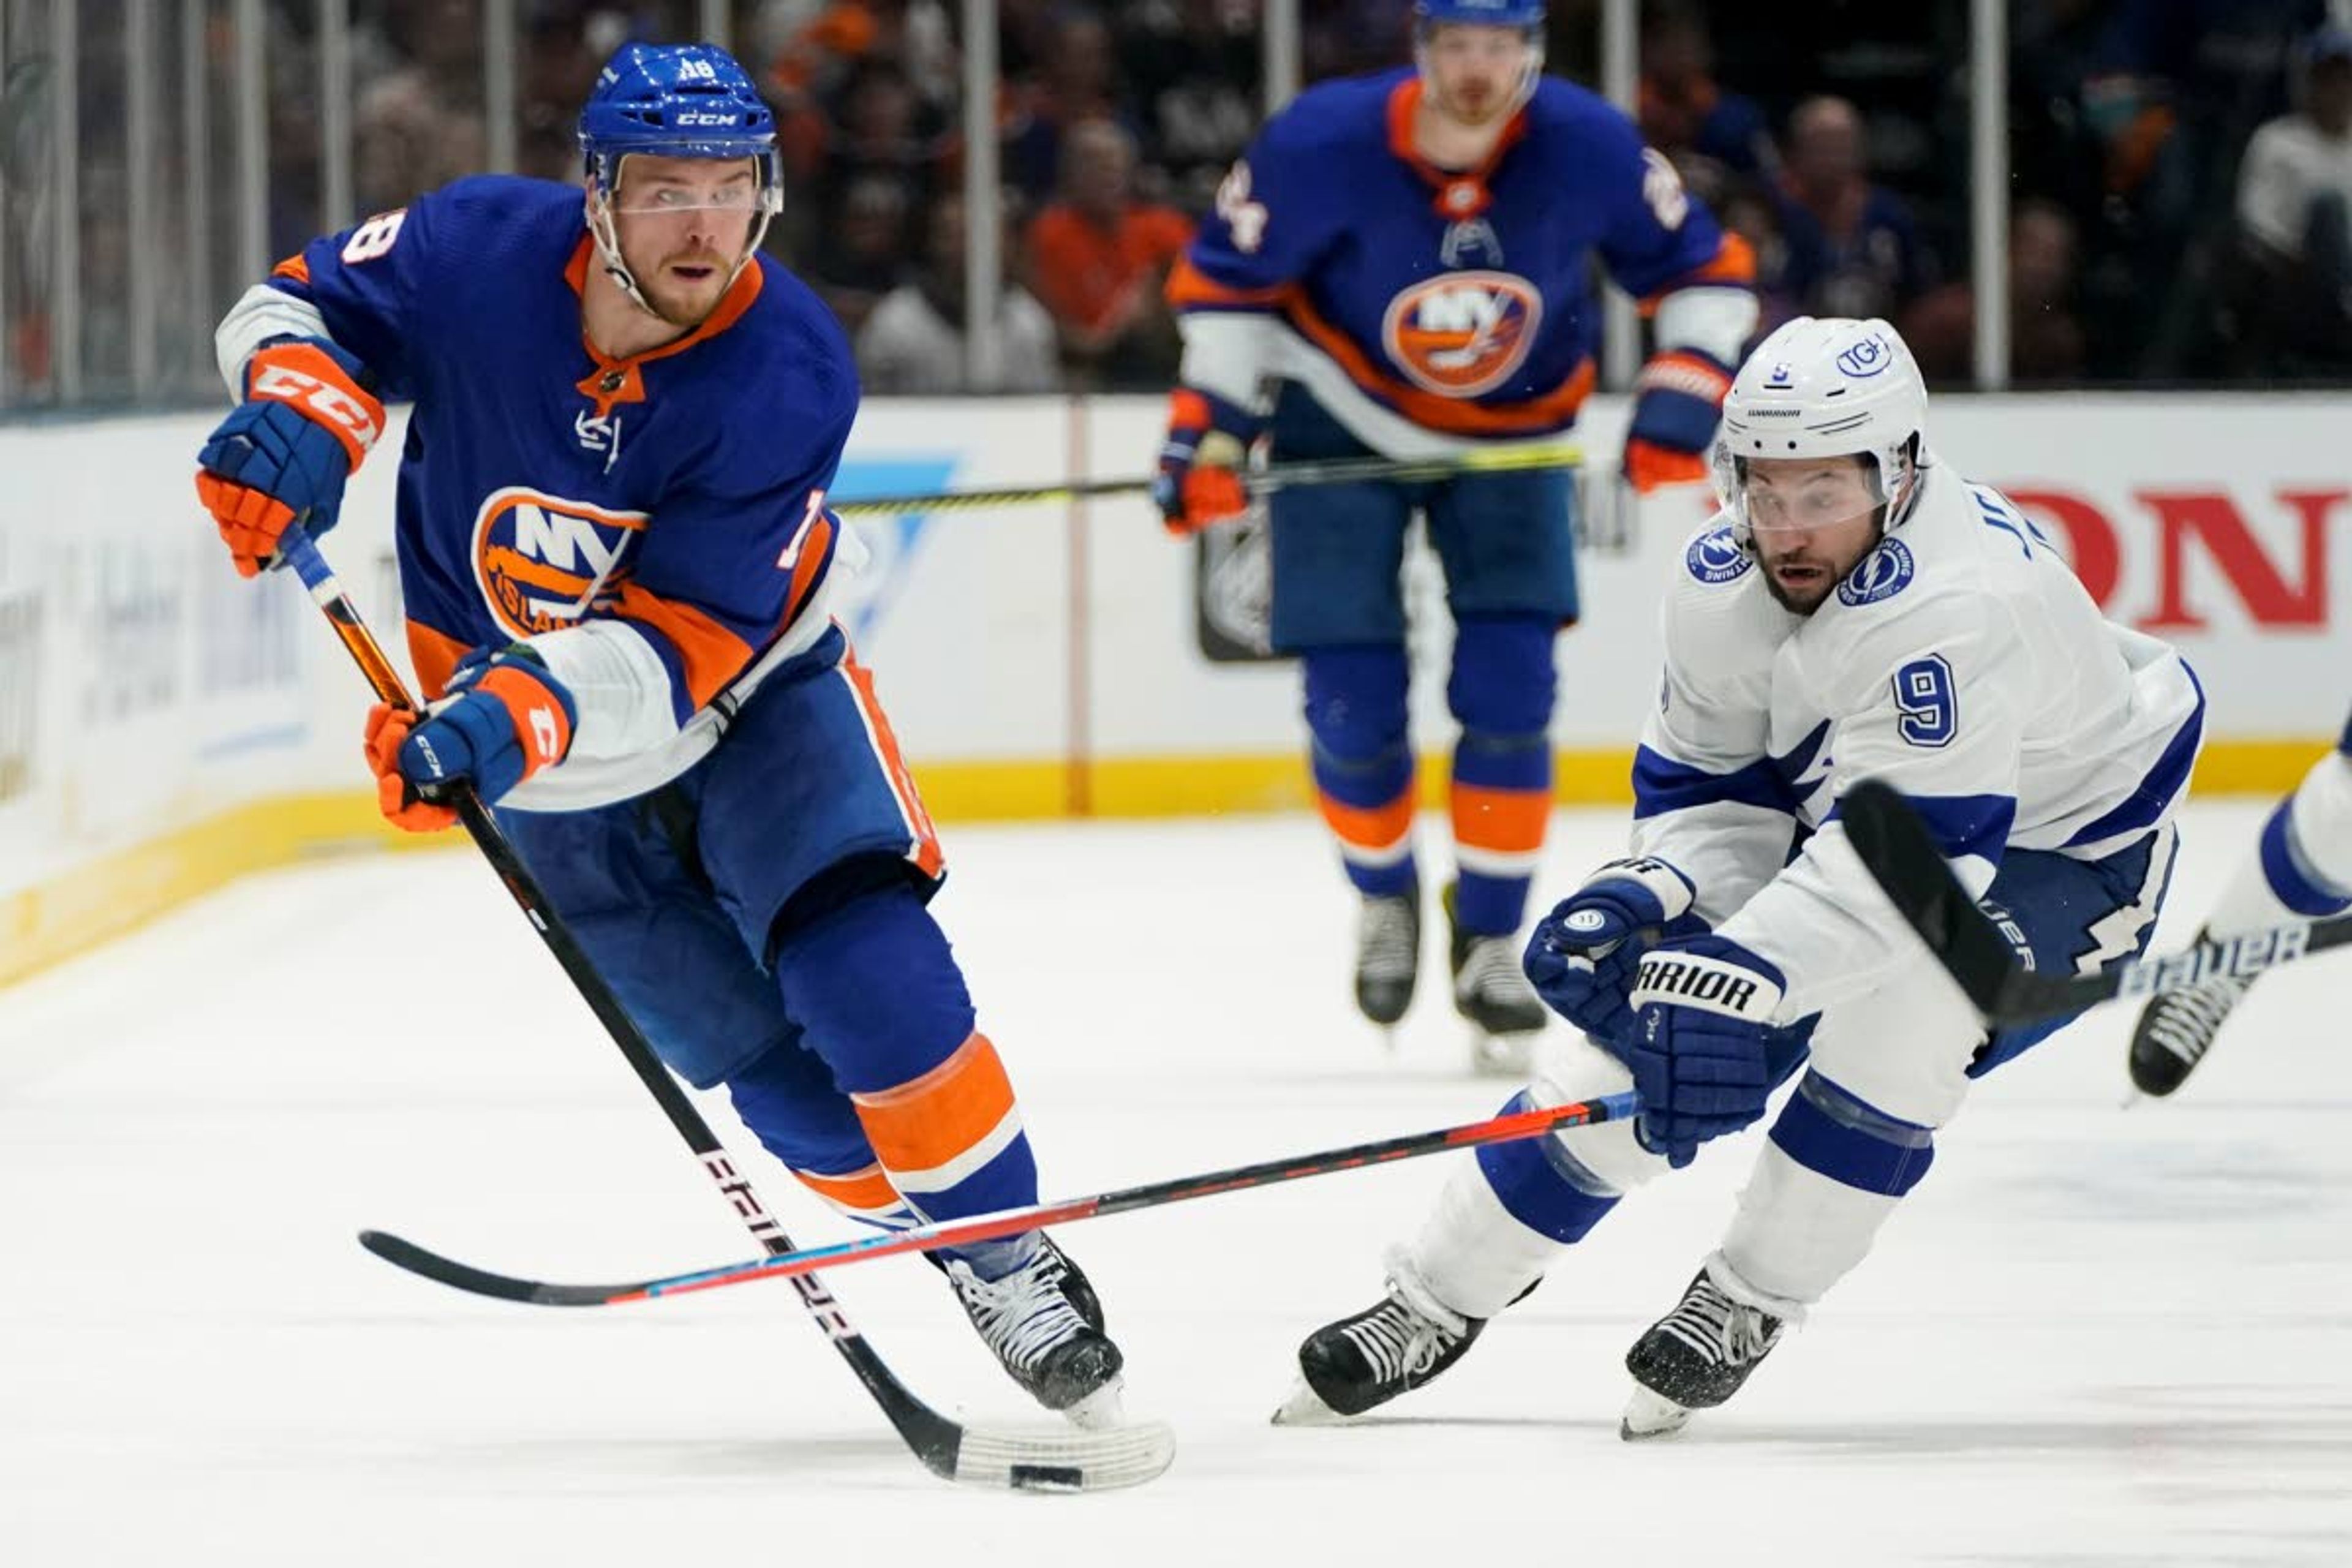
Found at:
<point>1068,1461</point>
<point>1008,1221</point>
<point>1264,482</point>
<point>1903,857</point>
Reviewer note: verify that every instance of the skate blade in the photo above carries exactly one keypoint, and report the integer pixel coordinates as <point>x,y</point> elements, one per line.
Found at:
<point>1651,1415</point>
<point>1100,1411</point>
<point>1305,1408</point>
<point>1502,1055</point>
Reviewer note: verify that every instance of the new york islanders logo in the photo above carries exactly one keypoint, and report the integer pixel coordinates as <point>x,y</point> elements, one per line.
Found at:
<point>1463,333</point>
<point>544,562</point>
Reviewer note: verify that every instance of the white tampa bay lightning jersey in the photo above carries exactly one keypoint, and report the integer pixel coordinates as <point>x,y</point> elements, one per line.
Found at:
<point>1962,662</point>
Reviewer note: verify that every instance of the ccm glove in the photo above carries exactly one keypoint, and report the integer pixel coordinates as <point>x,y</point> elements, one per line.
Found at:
<point>283,454</point>
<point>506,718</point>
<point>1677,399</point>
<point>1704,1052</point>
<point>1581,957</point>
<point>1199,484</point>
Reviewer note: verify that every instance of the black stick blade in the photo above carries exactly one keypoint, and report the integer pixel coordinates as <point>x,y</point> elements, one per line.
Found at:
<point>404,1254</point>
<point>1904,858</point>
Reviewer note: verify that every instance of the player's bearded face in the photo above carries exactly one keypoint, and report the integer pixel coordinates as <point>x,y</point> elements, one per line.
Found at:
<point>683,224</point>
<point>1812,519</point>
<point>1474,73</point>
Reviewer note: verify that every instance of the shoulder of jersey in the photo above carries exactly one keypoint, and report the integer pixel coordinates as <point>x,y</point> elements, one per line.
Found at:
<point>1560,104</point>
<point>801,358</point>
<point>506,210</point>
<point>1349,111</point>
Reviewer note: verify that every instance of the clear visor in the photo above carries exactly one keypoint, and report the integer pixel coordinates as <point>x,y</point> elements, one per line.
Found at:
<point>1797,495</point>
<point>718,187</point>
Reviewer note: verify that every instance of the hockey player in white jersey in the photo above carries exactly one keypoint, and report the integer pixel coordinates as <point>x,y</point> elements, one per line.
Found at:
<point>1856,609</point>
<point>2302,870</point>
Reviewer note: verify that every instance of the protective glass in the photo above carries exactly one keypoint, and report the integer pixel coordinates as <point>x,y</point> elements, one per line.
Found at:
<point>736,189</point>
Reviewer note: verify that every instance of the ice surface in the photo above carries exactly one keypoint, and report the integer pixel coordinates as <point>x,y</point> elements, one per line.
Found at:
<point>2093,1336</point>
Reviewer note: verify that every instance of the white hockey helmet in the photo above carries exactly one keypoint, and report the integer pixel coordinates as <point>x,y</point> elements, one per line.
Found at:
<point>1826,387</point>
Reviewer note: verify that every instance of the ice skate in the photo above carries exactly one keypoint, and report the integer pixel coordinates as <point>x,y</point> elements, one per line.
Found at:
<point>1695,1357</point>
<point>1387,955</point>
<point>2177,1027</point>
<point>1399,1342</point>
<point>1045,1326</point>
<point>1491,990</point>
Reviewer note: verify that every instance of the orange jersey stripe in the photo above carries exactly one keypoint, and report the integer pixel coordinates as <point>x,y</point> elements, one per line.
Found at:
<point>433,655</point>
<point>1368,828</point>
<point>1734,263</point>
<point>297,266</point>
<point>712,655</point>
<point>1511,821</point>
<point>1535,416</point>
<point>868,1189</point>
<point>924,849</point>
<point>929,1122</point>
<point>1189,288</point>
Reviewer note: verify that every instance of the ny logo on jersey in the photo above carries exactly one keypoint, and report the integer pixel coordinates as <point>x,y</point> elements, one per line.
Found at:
<point>1463,333</point>
<point>599,433</point>
<point>544,562</point>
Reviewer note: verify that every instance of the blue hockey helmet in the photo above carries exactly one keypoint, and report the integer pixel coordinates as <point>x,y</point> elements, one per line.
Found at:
<point>1480,13</point>
<point>674,101</point>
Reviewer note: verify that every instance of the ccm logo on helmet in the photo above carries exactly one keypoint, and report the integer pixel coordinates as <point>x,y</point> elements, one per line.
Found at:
<point>692,117</point>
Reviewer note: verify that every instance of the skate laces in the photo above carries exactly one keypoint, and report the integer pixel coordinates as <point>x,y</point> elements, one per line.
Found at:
<point>1490,967</point>
<point>2184,1022</point>
<point>1388,939</point>
<point>1023,1315</point>
<point>1399,1341</point>
<point>1726,1332</point>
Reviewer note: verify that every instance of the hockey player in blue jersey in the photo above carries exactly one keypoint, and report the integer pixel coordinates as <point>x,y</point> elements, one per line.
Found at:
<point>1857,609</point>
<point>617,564</point>
<point>2301,870</point>
<point>1401,264</point>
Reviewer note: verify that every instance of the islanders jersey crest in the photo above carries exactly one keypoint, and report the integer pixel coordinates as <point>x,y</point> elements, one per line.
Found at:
<point>1462,334</point>
<point>544,562</point>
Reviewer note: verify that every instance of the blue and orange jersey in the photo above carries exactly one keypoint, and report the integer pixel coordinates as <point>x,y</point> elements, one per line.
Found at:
<point>548,490</point>
<point>1457,302</point>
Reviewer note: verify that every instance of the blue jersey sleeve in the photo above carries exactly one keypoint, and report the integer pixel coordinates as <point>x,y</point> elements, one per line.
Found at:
<point>365,283</point>
<point>1659,237</point>
<point>1275,217</point>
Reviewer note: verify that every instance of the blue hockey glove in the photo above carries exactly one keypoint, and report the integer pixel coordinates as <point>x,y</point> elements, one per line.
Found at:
<point>1581,957</point>
<point>1677,399</point>
<point>1199,484</point>
<point>284,453</point>
<point>1706,1054</point>
<point>505,718</point>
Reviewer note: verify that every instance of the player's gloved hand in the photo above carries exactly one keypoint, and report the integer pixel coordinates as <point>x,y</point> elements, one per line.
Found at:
<point>307,420</point>
<point>1677,400</point>
<point>505,718</point>
<point>1706,1053</point>
<point>1580,959</point>
<point>1200,482</point>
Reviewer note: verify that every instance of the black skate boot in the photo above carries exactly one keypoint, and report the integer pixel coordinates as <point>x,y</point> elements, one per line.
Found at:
<point>1045,1324</point>
<point>1387,955</point>
<point>1491,990</point>
<point>2176,1029</point>
<point>1695,1357</point>
<point>1399,1342</point>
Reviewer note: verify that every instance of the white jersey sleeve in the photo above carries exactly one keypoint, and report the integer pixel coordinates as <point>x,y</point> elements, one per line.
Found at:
<point>1708,796</point>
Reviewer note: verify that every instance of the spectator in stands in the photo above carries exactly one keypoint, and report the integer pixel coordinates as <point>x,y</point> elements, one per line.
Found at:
<point>913,343</point>
<point>2293,287</point>
<point>1192,66</point>
<point>863,255</point>
<point>420,125</point>
<point>1077,82</point>
<point>1098,259</point>
<point>2045,334</point>
<point>1853,248</point>
<point>1713,136</point>
<point>1750,212</point>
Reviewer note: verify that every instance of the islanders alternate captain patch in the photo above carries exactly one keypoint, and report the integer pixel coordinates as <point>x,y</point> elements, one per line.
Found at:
<point>1881,574</point>
<point>1463,333</point>
<point>1715,557</point>
<point>544,562</point>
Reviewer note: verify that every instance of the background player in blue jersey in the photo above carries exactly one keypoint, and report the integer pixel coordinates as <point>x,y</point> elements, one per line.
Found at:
<point>2301,870</point>
<point>1401,264</point>
<point>617,562</point>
